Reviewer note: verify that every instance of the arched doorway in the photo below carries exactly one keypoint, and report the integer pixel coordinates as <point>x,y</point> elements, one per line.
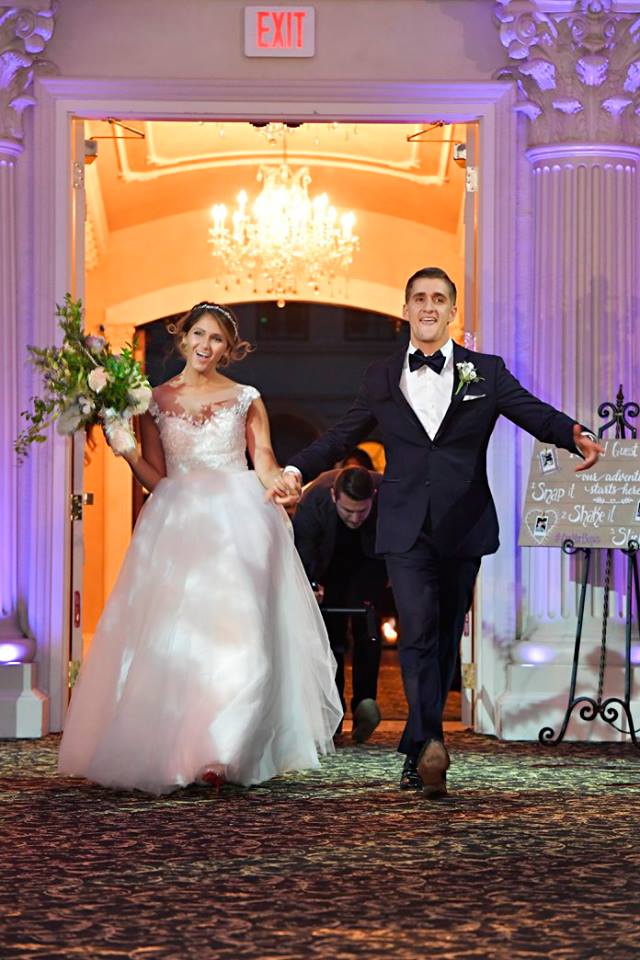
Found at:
<point>490,105</point>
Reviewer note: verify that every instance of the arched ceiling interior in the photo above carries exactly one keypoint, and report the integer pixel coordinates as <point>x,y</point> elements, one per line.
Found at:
<point>158,169</point>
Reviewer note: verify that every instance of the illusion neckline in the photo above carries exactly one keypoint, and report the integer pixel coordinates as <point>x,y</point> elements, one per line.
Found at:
<point>199,419</point>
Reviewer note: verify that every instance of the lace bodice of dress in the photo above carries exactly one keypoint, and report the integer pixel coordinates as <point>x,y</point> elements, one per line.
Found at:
<point>212,439</point>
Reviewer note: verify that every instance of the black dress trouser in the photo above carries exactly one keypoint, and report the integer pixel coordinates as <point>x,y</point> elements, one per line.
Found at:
<point>365,582</point>
<point>432,596</point>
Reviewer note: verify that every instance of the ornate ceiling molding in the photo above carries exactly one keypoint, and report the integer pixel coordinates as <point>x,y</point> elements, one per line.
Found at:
<point>577,72</point>
<point>25,30</point>
<point>156,165</point>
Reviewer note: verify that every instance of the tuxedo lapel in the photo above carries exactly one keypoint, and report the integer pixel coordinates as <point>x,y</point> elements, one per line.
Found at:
<point>460,354</point>
<point>394,372</point>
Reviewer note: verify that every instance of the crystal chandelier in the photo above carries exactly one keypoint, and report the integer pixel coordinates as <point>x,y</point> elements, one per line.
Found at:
<point>284,241</point>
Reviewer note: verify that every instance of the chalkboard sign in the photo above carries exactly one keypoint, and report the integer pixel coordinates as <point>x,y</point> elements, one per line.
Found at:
<point>599,507</point>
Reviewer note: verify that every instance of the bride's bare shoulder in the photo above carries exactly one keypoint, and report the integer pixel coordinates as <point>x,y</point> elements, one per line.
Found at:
<point>225,383</point>
<point>166,389</point>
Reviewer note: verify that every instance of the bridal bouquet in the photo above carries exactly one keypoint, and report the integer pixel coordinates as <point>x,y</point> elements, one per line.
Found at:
<point>85,383</point>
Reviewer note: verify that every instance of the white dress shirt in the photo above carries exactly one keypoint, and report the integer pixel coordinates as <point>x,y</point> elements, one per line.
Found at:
<point>427,392</point>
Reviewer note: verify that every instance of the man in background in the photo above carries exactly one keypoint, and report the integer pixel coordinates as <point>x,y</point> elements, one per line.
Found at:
<point>335,530</point>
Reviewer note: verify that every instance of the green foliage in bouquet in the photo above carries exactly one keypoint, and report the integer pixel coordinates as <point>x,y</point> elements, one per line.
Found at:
<point>84,382</point>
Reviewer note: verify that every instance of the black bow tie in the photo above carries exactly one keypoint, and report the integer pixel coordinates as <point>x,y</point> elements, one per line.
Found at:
<point>436,361</point>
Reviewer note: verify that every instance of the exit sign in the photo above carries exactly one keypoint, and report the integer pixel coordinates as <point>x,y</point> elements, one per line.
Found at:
<point>277,31</point>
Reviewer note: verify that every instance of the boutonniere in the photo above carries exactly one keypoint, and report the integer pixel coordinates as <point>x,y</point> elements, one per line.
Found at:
<point>467,373</point>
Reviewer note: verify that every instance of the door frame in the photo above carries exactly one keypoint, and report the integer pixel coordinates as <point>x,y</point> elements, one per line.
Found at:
<point>60,99</point>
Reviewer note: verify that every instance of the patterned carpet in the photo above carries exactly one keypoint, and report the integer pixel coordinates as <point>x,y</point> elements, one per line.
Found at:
<point>534,854</point>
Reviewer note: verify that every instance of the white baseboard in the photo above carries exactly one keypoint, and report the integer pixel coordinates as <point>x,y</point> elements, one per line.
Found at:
<point>24,710</point>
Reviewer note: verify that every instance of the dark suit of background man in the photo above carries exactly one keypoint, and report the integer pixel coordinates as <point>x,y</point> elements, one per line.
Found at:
<point>436,516</point>
<point>335,533</point>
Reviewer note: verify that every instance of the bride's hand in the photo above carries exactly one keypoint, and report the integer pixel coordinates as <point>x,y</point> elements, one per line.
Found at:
<point>285,489</point>
<point>120,437</point>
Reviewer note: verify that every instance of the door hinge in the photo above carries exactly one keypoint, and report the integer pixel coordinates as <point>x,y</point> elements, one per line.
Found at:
<point>469,676</point>
<point>76,503</point>
<point>471,179</point>
<point>78,174</point>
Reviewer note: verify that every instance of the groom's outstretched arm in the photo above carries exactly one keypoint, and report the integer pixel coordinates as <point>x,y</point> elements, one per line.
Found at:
<point>347,433</point>
<point>535,416</point>
<point>542,420</point>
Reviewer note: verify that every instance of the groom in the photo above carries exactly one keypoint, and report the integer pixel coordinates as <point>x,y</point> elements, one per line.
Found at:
<point>436,404</point>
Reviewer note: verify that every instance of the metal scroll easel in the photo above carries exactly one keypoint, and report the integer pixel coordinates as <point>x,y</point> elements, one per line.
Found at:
<point>610,709</point>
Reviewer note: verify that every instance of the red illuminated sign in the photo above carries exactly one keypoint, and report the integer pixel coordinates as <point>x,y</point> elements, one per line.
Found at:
<point>271,31</point>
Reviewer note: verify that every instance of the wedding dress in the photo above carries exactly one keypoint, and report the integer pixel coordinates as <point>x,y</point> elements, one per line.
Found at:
<point>211,653</point>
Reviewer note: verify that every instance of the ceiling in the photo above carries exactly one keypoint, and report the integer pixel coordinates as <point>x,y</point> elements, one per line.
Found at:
<point>151,169</point>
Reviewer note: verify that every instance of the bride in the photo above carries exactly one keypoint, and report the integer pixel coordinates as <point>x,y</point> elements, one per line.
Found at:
<point>210,660</point>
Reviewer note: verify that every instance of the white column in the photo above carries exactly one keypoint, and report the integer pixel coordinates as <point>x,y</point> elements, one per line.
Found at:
<point>9,632</point>
<point>585,296</point>
<point>23,708</point>
<point>24,32</point>
<point>577,81</point>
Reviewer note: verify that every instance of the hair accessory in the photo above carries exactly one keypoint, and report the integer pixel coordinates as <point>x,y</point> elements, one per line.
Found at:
<point>225,313</point>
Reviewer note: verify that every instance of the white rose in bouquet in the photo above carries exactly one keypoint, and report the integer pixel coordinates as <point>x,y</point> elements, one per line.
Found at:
<point>139,398</point>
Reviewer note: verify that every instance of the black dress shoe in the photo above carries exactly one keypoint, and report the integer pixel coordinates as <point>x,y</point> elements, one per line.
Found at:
<point>409,779</point>
<point>433,763</point>
<point>366,718</point>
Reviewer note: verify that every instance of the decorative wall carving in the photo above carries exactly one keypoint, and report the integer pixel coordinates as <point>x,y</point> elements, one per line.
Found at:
<point>577,73</point>
<point>25,30</point>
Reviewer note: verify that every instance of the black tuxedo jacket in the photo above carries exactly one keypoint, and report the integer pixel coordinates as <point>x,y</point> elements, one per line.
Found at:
<point>315,524</point>
<point>443,480</point>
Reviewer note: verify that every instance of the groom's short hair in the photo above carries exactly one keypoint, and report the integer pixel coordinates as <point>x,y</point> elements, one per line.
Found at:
<point>354,482</point>
<point>431,273</point>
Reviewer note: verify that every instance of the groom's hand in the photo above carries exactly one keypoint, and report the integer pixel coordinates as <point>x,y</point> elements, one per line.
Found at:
<point>587,446</point>
<point>285,490</point>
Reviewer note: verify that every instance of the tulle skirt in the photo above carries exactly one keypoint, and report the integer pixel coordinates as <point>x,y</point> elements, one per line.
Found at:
<point>211,653</point>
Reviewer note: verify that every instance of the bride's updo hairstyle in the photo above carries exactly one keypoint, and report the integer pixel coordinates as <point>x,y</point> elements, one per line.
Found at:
<point>237,348</point>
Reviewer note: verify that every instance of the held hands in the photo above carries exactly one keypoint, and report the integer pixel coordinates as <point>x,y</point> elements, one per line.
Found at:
<point>589,448</point>
<point>285,489</point>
